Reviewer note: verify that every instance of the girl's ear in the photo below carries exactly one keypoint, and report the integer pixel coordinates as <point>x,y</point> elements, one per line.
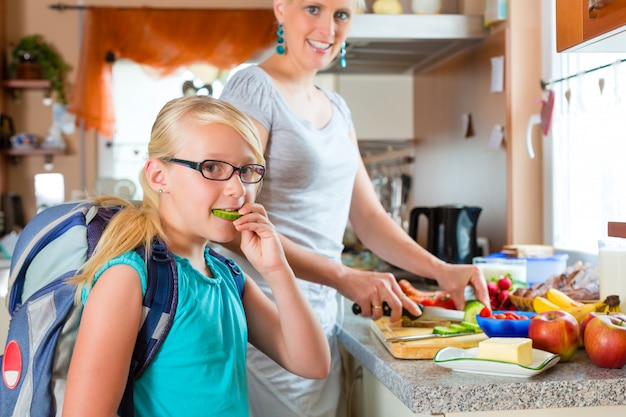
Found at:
<point>156,174</point>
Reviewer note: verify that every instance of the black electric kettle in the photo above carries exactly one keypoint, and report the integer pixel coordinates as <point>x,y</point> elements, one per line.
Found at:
<point>451,231</point>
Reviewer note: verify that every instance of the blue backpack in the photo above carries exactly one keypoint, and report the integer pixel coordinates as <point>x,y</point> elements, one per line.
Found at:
<point>45,319</point>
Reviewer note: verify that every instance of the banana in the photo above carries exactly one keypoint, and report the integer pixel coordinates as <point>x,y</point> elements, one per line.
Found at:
<point>581,312</point>
<point>541,304</point>
<point>613,303</point>
<point>561,299</point>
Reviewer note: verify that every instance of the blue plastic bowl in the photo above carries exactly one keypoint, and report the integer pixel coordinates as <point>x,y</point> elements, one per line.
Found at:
<point>505,327</point>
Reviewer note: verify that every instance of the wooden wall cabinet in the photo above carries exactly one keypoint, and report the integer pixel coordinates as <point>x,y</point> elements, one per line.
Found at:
<point>591,25</point>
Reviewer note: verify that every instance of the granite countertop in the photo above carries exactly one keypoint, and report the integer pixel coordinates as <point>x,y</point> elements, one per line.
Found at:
<point>425,387</point>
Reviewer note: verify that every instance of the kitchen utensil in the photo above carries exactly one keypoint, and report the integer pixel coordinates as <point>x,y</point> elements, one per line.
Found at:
<point>451,231</point>
<point>424,336</point>
<point>428,312</point>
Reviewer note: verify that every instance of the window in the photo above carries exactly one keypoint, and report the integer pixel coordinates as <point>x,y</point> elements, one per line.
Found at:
<point>588,144</point>
<point>138,95</point>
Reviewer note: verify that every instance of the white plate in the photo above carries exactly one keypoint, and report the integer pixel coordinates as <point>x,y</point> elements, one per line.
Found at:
<point>465,360</point>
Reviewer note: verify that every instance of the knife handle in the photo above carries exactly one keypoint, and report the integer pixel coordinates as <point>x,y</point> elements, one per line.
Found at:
<point>356,309</point>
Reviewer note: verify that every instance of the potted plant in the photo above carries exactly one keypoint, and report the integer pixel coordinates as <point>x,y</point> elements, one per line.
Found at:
<point>33,57</point>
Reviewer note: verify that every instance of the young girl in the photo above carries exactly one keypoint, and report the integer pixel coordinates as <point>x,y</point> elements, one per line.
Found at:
<point>204,155</point>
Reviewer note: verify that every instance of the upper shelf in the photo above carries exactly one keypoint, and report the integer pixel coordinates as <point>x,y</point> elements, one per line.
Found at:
<point>25,83</point>
<point>406,43</point>
<point>32,151</point>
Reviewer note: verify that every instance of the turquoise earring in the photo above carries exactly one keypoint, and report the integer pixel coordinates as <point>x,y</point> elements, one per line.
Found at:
<point>342,55</point>
<point>280,48</point>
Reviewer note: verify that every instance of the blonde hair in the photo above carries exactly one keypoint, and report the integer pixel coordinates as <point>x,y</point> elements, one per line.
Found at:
<point>139,224</point>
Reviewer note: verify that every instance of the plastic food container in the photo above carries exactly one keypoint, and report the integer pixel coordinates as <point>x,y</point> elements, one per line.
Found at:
<point>505,327</point>
<point>495,267</point>
<point>539,269</point>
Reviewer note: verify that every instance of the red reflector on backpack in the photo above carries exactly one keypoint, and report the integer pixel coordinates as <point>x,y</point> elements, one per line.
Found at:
<point>12,364</point>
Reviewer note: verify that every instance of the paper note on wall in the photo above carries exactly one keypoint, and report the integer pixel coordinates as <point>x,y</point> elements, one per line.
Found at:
<point>496,138</point>
<point>497,74</point>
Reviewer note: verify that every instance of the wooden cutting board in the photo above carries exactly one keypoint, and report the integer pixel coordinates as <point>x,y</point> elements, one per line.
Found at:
<point>418,349</point>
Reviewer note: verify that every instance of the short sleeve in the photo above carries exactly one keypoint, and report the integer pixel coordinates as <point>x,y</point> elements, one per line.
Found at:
<point>251,91</point>
<point>132,259</point>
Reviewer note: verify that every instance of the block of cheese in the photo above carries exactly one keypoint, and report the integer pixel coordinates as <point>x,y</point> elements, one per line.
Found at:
<point>507,349</point>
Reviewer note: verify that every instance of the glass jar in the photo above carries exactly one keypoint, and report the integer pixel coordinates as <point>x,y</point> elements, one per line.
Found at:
<point>612,268</point>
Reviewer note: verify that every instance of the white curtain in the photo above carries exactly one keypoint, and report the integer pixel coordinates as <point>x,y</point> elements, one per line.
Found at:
<point>589,150</point>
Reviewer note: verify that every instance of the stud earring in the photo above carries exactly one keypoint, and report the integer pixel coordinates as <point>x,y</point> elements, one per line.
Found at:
<point>160,191</point>
<point>280,48</point>
<point>342,55</point>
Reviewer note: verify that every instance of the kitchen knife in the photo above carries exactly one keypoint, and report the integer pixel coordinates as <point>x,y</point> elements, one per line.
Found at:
<point>428,312</point>
<point>424,336</point>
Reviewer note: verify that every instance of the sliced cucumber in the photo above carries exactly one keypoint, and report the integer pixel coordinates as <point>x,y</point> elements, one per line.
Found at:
<point>224,214</point>
<point>458,327</point>
<point>472,308</point>
<point>471,326</point>
<point>444,330</point>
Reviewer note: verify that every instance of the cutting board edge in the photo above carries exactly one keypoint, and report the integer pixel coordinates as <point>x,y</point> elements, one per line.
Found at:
<point>400,350</point>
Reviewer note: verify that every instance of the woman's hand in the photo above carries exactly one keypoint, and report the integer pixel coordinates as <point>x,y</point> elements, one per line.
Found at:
<point>369,289</point>
<point>454,278</point>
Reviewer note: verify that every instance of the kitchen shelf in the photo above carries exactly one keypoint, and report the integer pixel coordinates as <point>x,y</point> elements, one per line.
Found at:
<point>32,151</point>
<point>26,84</point>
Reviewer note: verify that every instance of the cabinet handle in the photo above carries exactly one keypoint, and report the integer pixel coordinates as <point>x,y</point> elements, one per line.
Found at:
<point>535,119</point>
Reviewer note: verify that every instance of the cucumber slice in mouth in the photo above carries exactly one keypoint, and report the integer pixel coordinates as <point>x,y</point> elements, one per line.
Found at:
<point>224,214</point>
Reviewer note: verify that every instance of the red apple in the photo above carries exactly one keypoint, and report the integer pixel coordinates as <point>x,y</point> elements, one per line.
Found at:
<point>605,340</point>
<point>585,322</point>
<point>555,332</point>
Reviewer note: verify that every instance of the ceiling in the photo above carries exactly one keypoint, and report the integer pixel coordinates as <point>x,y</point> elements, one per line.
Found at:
<point>406,43</point>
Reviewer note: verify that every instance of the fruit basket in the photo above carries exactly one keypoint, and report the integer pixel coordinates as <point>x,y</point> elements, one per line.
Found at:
<point>522,303</point>
<point>579,281</point>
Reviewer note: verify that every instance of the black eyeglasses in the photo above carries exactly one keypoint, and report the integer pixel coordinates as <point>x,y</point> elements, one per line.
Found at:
<point>223,171</point>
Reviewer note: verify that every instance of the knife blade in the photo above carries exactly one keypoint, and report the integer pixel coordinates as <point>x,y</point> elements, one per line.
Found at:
<point>428,312</point>
<point>424,336</point>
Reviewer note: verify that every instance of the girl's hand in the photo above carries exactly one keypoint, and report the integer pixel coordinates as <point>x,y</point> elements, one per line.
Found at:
<point>260,242</point>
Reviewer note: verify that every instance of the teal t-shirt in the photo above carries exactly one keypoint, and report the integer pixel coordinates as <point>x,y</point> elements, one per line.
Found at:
<point>200,369</point>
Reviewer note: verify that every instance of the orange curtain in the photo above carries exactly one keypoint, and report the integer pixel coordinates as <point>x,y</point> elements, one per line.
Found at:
<point>164,40</point>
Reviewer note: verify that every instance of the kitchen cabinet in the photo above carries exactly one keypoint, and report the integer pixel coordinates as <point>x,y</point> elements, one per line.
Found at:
<point>368,397</point>
<point>381,105</point>
<point>583,28</point>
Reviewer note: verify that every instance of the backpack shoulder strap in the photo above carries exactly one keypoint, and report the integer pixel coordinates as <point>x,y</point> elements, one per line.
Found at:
<point>159,308</point>
<point>234,269</point>
<point>159,305</point>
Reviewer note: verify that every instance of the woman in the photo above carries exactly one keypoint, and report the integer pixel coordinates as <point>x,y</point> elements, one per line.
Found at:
<point>315,182</point>
<point>205,164</point>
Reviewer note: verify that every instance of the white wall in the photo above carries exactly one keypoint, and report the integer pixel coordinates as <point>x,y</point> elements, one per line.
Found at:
<point>452,169</point>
